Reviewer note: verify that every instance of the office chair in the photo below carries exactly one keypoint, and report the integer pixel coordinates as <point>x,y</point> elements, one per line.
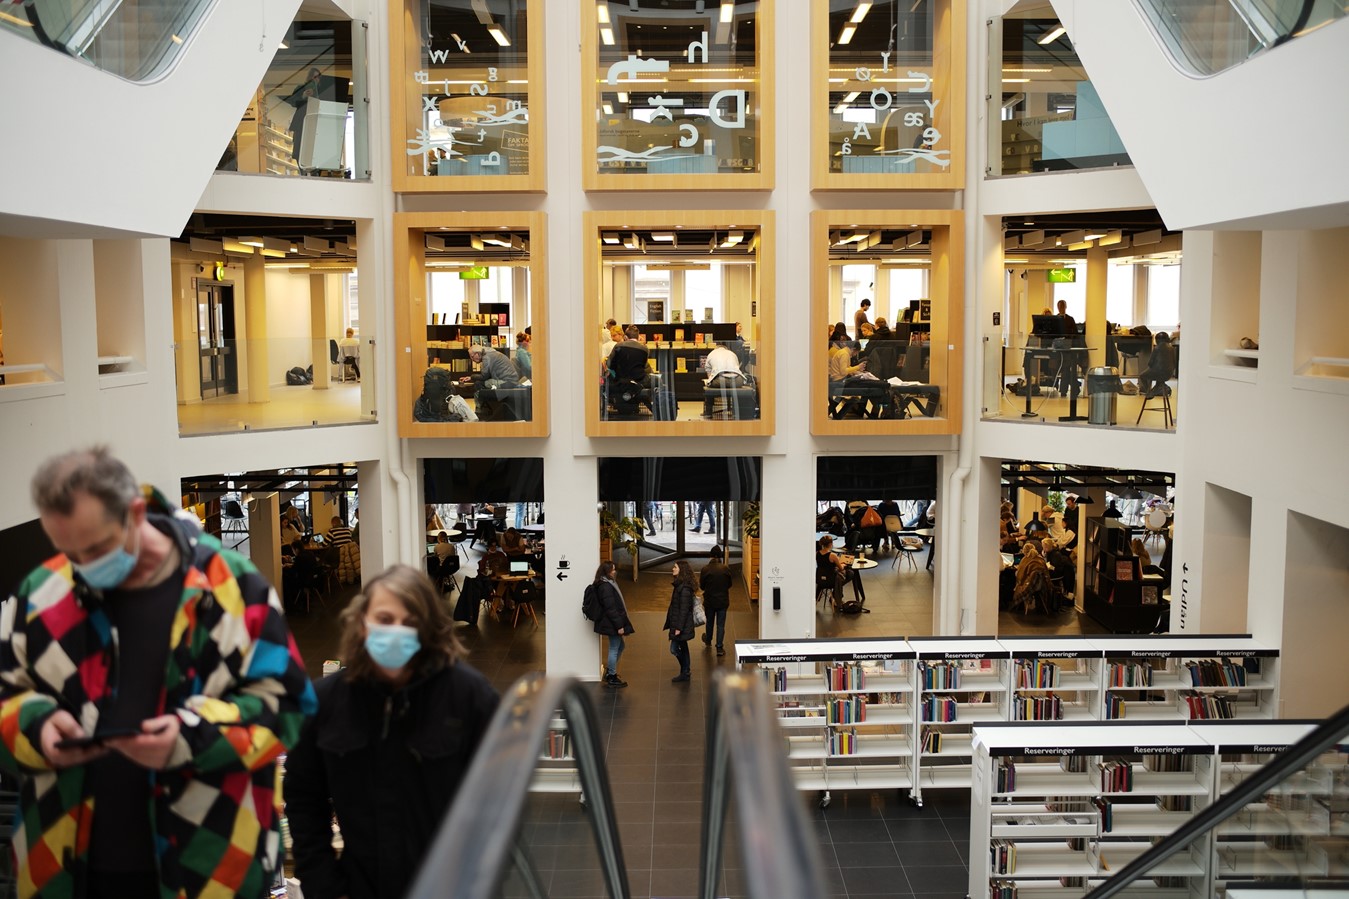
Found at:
<point>232,520</point>
<point>335,357</point>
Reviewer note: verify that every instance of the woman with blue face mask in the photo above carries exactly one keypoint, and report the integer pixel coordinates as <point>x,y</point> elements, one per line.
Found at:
<point>395,732</point>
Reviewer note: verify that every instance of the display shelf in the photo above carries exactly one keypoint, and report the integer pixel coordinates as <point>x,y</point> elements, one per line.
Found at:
<point>949,674</point>
<point>1200,678</point>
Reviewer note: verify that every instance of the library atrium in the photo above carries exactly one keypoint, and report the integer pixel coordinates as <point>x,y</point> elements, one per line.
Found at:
<point>877,303</point>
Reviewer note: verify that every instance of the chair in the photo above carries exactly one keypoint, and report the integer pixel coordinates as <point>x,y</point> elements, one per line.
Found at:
<point>892,528</point>
<point>308,575</point>
<point>329,561</point>
<point>1155,524</point>
<point>457,540</point>
<point>908,548</point>
<point>233,522</point>
<point>1157,391</point>
<point>734,396</point>
<point>524,595</point>
<point>335,357</point>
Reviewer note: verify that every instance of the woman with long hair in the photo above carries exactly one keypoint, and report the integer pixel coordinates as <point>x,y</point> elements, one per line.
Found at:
<point>679,617</point>
<point>612,622</point>
<point>394,735</point>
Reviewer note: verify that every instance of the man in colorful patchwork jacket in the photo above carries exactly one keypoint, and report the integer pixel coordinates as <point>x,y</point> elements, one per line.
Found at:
<point>148,683</point>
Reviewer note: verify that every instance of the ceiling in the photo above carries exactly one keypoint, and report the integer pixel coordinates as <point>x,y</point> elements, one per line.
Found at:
<point>331,478</point>
<point>328,239</point>
<point>1128,232</point>
<point>729,244</point>
<point>1040,476</point>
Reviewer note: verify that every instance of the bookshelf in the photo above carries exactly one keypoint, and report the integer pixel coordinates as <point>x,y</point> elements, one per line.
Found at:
<point>1116,591</point>
<point>556,769</point>
<point>954,685</point>
<point>846,710</point>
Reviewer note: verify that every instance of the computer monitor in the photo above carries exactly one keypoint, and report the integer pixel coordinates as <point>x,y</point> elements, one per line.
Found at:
<point>1048,326</point>
<point>519,568</point>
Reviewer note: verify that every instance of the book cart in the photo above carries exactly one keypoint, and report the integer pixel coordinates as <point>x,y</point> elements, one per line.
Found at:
<point>1220,676</point>
<point>846,710</point>
<point>960,682</point>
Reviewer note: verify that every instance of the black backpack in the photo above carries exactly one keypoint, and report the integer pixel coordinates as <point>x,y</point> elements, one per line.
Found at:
<point>590,603</point>
<point>297,377</point>
<point>434,403</point>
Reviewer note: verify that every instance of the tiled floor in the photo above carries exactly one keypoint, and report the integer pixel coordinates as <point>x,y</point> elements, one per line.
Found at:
<point>871,844</point>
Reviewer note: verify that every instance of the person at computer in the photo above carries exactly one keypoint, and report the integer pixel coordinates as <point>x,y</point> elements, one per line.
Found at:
<point>1161,365</point>
<point>349,348</point>
<point>839,336</point>
<point>882,331</point>
<point>494,369</point>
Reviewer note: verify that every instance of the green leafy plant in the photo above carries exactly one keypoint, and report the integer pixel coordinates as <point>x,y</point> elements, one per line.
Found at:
<point>624,532</point>
<point>749,519</point>
<point>1056,500</point>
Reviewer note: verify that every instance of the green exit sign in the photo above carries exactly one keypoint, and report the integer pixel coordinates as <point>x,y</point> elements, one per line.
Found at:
<point>474,273</point>
<point>1062,276</point>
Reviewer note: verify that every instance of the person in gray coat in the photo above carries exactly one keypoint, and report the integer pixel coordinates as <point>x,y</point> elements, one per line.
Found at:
<point>496,369</point>
<point>613,621</point>
<point>679,618</point>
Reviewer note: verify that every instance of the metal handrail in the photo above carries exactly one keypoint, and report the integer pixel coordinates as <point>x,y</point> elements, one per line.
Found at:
<point>469,856</point>
<point>1327,735</point>
<point>744,741</point>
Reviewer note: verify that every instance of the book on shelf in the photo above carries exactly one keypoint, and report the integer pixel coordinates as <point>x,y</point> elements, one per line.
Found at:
<point>1114,707</point>
<point>939,675</point>
<point>776,678</point>
<point>559,744</point>
<point>931,740</point>
<point>1106,810</point>
<point>1006,779</point>
<point>1002,889</point>
<point>1166,762</point>
<point>841,742</point>
<point>1002,856</point>
<point>1171,803</point>
<point>845,676</point>
<point>939,708</point>
<point>1124,570</point>
<point>1215,673</point>
<point>1203,707</point>
<point>851,710</point>
<point>1036,673</point>
<point>1130,674</point>
<point>1073,764</point>
<point>1116,776</point>
<point>1037,708</point>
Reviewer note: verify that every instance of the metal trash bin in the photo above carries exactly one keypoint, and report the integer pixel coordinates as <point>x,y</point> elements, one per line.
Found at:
<point>1103,388</point>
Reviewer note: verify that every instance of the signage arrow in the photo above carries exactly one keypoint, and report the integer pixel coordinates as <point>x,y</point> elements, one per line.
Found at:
<point>561,575</point>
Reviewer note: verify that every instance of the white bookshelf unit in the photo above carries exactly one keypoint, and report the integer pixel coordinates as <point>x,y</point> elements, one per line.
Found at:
<point>556,769</point>
<point>846,710</point>
<point>919,711</point>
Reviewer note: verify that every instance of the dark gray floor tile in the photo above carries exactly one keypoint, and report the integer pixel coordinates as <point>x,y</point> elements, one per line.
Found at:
<point>935,852</point>
<point>865,855</point>
<point>858,831</point>
<point>914,830</point>
<point>875,881</point>
<point>937,878</point>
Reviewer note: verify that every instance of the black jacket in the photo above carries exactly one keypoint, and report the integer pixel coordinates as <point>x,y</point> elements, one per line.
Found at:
<point>628,361</point>
<point>388,763</point>
<point>613,611</point>
<point>715,580</point>
<point>680,614</point>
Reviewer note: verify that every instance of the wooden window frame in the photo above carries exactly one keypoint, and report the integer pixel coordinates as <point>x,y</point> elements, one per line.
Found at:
<point>765,280</point>
<point>591,179</point>
<point>410,307</point>
<point>405,36</point>
<point>948,64</point>
<point>947,278</point>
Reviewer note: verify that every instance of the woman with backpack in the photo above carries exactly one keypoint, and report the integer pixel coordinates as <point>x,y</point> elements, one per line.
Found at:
<point>679,617</point>
<point>612,620</point>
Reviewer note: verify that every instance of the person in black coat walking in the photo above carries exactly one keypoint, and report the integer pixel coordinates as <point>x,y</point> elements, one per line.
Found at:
<point>679,617</point>
<point>715,581</point>
<point>613,621</point>
<point>394,735</point>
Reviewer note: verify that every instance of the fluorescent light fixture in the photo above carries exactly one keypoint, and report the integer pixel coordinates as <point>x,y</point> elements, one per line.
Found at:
<point>622,96</point>
<point>275,247</point>
<point>607,35</point>
<point>200,245</point>
<point>252,242</point>
<point>1095,235</point>
<point>15,20</point>
<point>602,13</point>
<point>316,243</point>
<point>498,35</point>
<point>497,242</point>
<point>1011,242</point>
<point>1073,237</point>
<point>475,241</point>
<point>863,7</point>
<point>1052,36</point>
<point>236,248</point>
<point>441,263</point>
<point>1032,238</point>
<point>727,11</point>
<point>608,109</point>
<point>848,98</point>
<point>611,239</point>
<point>667,236</point>
<point>1032,71</point>
<point>845,36</point>
<point>1016,81</point>
<point>733,238</point>
<point>175,38</point>
<point>1081,245</point>
<point>435,242</point>
<point>679,267</point>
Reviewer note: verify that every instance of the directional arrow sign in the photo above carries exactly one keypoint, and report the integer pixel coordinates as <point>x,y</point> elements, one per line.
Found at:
<point>561,575</point>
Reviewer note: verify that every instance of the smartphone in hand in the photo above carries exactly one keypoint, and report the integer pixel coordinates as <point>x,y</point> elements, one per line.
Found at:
<point>99,738</point>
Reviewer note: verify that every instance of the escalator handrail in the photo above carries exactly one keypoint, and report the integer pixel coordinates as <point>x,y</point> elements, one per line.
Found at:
<point>1327,735</point>
<point>477,841</point>
<point>744,741</point>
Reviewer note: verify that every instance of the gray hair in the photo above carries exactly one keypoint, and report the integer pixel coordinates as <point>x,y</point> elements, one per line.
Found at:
<point>94,471</point>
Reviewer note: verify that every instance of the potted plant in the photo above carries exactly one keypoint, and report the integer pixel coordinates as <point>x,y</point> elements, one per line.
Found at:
<point>749,524</point>
<point>615,531</point>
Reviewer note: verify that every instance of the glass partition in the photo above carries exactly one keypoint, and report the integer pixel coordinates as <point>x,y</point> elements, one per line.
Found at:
<point>677,94</point>
<point>889,94</point>
<point>887,311</point>
<point>1204,37</point>
<point>469,302</point>
<point>308,116</point>
<point>679,315</point>
<point>1044,114</point>
<point>136,39</point>
<point>466,89</point>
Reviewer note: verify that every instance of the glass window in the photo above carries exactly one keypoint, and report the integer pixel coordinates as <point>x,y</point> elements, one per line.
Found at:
<point>680,308</point>
<point>462,95</point>
<point>468,307</point>
<point>677,92</point>
<point>888,307</point>
<point>889,93</point>
<point>1163,295</point>
<point>1119,293</point>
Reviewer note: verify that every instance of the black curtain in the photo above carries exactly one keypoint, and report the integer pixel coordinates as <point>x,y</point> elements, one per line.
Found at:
<point>846,478</point>
<point>735,478</point>
<point>483,480</point>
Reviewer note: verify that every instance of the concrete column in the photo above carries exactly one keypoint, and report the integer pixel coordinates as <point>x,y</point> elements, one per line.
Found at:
<point>264,535</point>
<point>185,334</point>
<point>1098,264</point>
<point>255,330</point>
<point>376,536</point>
<point>1140,294</point>
<point>319,331</point>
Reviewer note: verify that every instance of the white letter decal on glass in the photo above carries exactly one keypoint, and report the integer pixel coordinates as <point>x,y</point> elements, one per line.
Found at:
<point>700,44</point>
<point>715,113</point>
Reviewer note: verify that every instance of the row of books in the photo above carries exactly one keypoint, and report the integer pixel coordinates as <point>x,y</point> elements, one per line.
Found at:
<point>793,709</point>
<point>1001,889</point>
<point>1116,776</point>
<point>1114,706</point>
<point>939,675</point>
<point>1107,810</point>
<point>1158,762</point>
<point>1037,674</point>
<point>1005,777</point>
<point>931,739</point>
<point>939,708</point>
<point>559,744</point>
<point>1073,764</point>
<point>1037,708</point>
<point>851,710</point>
<point>1209,706</point>
<point>845,676</point>
<point>841,742</point>
<point>1002,857</point>
<point>1213,673</point>
<point>1130,674</point>
<point>775,678</point>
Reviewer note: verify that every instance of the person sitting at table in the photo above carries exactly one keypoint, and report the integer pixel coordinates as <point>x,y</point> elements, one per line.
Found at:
<point>1011,538</point>
<point>523,359</point>
<point>443,546</point>
<point>433,522</point>
<point>839,336</point>
<point>495,370</point>
<point>832,570</point>
<point>512,543</point>
<point>1161,365</point>
<point>493,560</point>
<point>1033,580</point>
<point>1064,572</point>
<point>841,369</point>
<point>338,533</point>
<point>882,332</point>
<point>887,508</point>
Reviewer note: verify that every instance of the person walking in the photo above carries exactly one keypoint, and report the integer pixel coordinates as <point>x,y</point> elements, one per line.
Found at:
<point>710,511</point>
<point>613,621</point>
<point>715,581</point>
<point>679,618</point>
<point>148,683</point>
<point>394,736</point>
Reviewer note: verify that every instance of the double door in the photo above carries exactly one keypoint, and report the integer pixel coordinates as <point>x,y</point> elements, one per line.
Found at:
<point>216,346</point>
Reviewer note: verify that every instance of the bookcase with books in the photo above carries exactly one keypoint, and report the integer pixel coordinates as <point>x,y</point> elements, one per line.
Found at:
<point>1062,808</point>
<point>1116,591</point>
<point>1218,676</point>
<point>845,708</point>
<point>959,683</point>
<point>555,771</point>
<point>1297,830</point>
<point>1054,679</point>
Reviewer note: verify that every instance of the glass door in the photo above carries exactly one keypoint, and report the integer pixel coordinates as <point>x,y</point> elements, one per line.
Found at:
<point>215,339</point>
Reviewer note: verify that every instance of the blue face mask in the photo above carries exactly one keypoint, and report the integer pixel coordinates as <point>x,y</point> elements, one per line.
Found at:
<point>109,570</point>
<point>391,645</point>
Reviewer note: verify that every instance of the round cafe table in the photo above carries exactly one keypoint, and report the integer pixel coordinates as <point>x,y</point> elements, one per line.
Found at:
<point>859,565</point>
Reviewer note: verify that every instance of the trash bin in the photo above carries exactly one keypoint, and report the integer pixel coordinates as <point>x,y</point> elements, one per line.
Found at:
<point>1103,387</point>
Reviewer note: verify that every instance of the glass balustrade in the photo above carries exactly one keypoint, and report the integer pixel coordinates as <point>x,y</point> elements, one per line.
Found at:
<point>1204,37</point>
<point>133,39</point>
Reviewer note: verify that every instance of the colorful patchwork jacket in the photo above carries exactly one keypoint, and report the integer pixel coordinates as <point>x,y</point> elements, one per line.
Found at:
<point>236,682</point>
